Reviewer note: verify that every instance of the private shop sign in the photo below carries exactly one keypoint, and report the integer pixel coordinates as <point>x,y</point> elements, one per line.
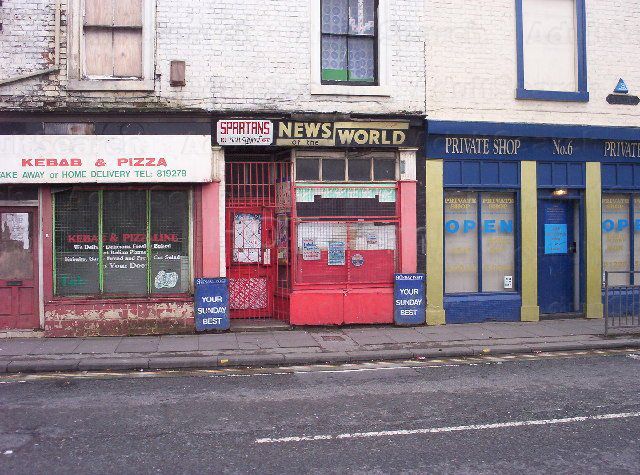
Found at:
<point>32,159</point>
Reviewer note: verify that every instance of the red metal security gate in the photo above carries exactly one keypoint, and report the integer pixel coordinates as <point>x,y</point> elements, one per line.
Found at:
<point>258,196</point>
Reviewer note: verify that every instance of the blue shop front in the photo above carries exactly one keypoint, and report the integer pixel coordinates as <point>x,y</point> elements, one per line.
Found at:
<point>521,220</point>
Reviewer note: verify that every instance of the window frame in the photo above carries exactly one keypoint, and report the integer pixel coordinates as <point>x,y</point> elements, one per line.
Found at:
<point>380,88</point>
<point>348,36</point>
<point>346,156</point>
<point>75,46</point>
<point>516,240</point>
<point>582,94</point>
<point>102,295</point>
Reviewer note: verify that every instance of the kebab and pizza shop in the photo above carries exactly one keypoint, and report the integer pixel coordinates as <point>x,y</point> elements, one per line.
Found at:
<point>110,230</point>
<point>522,231</point>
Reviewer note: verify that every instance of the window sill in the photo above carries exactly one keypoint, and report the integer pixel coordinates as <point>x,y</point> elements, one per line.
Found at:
<point>552,96</point>
<point>110,85</point>
<point>339,90</point>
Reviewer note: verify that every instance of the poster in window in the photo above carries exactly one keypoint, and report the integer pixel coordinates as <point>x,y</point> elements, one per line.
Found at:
<point>336,253</point>
<point>616,237</point>
<point>169,221</point>
<point>124,254</point>
<point>76,242</point>
<point>247,238</point>
<point>16,259</point>
<point>498,242</point>
<point>461,242</point>
<point>310,250</point>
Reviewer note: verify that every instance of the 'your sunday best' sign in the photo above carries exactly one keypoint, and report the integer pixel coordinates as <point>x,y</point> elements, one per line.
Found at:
<point>211,304</point>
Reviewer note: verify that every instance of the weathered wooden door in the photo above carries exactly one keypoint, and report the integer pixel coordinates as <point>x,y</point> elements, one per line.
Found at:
<point>18,268</point>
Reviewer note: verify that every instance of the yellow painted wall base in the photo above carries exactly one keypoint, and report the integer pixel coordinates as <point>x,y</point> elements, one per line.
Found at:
<point>530,314</point>
<point>435,316</point>
<point>594,310</point>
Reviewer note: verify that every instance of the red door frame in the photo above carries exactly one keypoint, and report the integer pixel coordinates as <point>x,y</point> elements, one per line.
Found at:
<point>17,321</point>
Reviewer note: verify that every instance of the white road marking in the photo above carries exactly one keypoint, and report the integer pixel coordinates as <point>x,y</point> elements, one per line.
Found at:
<point>440,430</point>
<point>635,357</point>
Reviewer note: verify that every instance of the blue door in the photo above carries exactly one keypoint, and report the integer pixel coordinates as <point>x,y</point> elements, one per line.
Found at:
<point>556,254</point>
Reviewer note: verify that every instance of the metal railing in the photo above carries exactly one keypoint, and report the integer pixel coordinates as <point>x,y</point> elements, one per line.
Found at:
<point>621,301</point>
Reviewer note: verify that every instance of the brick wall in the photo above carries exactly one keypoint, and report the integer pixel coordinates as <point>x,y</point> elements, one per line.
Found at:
<point>471,64</point>
<point>249,56</point>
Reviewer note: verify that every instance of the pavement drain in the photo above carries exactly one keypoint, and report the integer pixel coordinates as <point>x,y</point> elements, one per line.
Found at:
<point>332,338</point>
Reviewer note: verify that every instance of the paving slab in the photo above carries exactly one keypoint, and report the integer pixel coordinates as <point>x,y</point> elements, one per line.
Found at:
<point>18,346</point>
<point>294,339</point>
<point>138,344</point>
<point>56,346</point>
<point>226,341</point>
<point>369,336</point>
<point>178,343</point>
<point>256,341</point>
<point>334,341</point>
<point>408,335</point>
<point>98,345</point>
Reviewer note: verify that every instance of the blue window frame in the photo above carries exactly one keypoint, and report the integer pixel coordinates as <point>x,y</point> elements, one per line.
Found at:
<point>582,94</point>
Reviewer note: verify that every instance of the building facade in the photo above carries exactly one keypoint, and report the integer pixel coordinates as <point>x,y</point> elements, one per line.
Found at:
<point>531,157</point>
<point>147,143</point>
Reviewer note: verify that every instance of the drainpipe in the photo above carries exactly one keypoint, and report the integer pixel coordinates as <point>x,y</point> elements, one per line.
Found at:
<point>56,65</point>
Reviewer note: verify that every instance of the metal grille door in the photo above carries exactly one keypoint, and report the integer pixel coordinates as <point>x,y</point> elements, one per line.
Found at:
<point>255,193</point>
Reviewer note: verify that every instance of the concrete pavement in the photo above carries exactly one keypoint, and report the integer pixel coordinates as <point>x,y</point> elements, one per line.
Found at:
<point>302,346</point>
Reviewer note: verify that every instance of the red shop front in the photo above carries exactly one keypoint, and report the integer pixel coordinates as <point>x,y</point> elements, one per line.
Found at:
<point>314,234</point>
<point>104,234</point>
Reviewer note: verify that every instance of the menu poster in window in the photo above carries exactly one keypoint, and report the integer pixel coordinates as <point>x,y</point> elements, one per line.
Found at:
<point>310,250</point>
<point>169,241</point>
<point>336,253</point>
<point>125,242</point>
<point>76,240</point>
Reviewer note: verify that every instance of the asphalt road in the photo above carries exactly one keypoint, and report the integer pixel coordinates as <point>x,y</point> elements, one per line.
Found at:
<point>546,415</point>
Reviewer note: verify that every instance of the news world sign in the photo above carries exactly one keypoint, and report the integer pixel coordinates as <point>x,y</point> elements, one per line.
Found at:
<point>33,159</point>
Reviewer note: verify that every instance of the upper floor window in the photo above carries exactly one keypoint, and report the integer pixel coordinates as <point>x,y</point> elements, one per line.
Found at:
<point>349,42</point>
<point>551,50</point>
<point>111,44</point>
<point>112,38</point>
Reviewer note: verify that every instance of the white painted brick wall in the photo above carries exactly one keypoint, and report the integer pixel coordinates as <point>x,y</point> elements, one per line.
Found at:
<point>249,55</point>
<point>471,64</point>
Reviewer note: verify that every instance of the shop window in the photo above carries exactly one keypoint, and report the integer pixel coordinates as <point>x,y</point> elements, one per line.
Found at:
<point>617,229</point>
<point>341,167</point>
<point>333,170</point>
<point>349,42</point>
<point>308,169</point>
<point>479,242</point>
<point>551,50</point>
<point>121,242</point>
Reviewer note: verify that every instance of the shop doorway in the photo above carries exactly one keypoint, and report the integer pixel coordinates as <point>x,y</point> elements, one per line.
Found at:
<point>258,203</point>
<point>559,256</point>
<point>18,268</point>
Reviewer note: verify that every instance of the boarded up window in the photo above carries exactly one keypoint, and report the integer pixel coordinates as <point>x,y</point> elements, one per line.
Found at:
<point>113,38</point>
